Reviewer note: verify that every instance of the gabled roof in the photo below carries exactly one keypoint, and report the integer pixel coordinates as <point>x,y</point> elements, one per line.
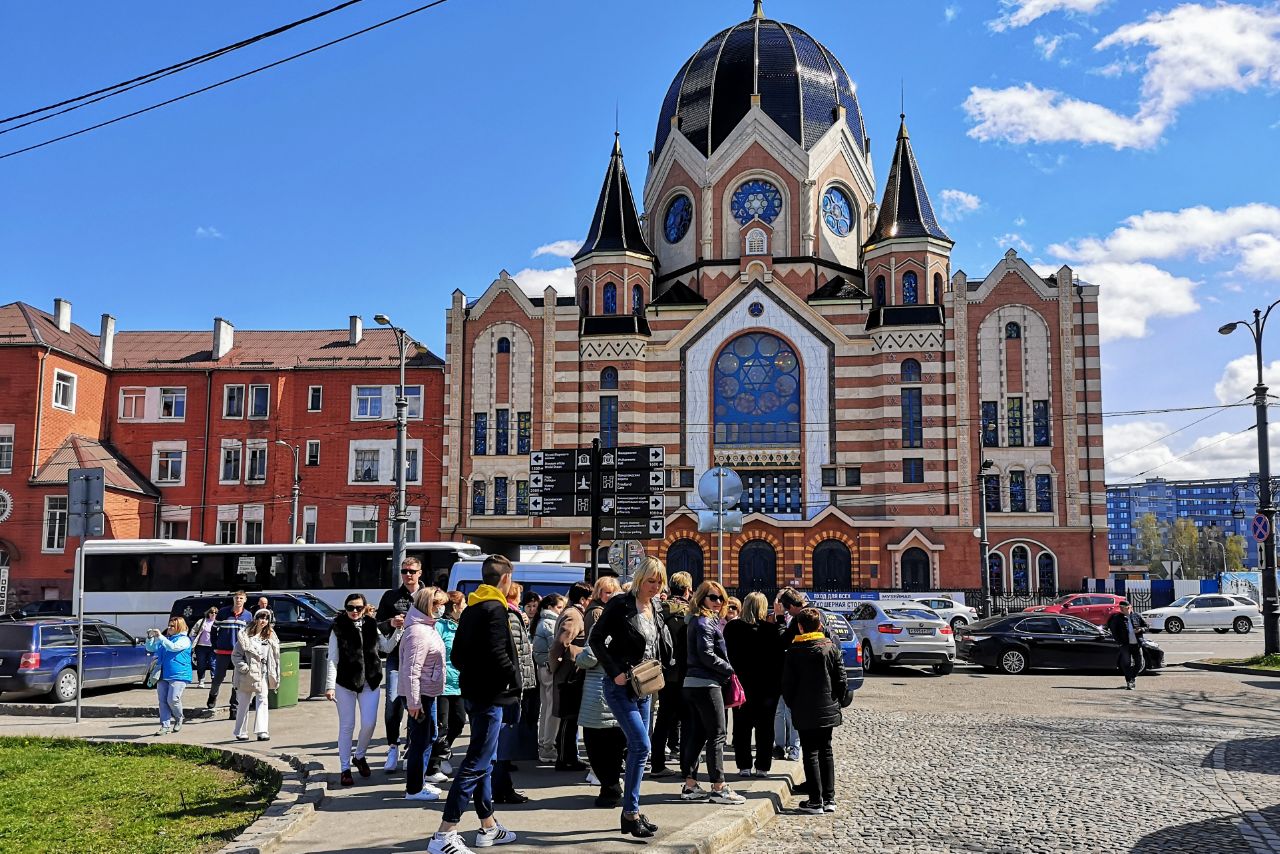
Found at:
<point>616,225</point>
<point>906,211</point>
<point>22,324</point>
<point>679,294</point>
<point>79,452</point>
<point>840,288</point>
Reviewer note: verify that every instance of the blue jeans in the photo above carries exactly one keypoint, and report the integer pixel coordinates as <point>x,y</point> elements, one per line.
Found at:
<point>169,693</point>
<point>785,735</point>
<point>633,716</point>
<point>422,733</point>
<point>203,661</point>
<point>474,778</point>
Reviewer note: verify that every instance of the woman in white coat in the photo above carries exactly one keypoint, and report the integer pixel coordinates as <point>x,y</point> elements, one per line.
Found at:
<point>256,659</point>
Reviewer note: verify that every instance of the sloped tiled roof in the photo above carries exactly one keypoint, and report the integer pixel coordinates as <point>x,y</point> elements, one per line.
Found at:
<point>840,288</point>
<point>79,452</point>
<point>254,348</point>
<point>23,324</point>
<point>616,225</point>
<point>679,294</point>
<point>907,211</point>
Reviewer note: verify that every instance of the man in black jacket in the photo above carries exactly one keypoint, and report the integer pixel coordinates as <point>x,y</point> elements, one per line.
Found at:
<point>489,679</point>
<point>1128,627</point>
<point>392,607</point>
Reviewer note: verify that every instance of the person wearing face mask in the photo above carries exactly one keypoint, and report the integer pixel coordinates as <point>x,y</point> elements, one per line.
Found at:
<point>450,715</point>
<point>354,674</point>
<point>421,681</point>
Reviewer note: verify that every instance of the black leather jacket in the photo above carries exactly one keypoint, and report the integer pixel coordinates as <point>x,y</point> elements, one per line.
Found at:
<point>618,644</point>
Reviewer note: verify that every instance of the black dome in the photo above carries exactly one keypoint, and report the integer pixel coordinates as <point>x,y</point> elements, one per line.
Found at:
<point>800,84</point>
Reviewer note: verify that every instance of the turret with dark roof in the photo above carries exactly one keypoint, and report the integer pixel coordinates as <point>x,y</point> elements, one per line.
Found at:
<point>616,225</point>
<point>906,211</point>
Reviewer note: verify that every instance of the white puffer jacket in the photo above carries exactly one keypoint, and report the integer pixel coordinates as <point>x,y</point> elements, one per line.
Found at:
<point>256,662</point>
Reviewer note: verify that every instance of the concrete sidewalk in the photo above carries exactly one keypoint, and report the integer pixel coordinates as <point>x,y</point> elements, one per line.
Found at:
<point>373,816</point>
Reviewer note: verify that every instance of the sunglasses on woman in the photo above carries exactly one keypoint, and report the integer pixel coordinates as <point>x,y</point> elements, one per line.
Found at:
<point>714,597</point>
<point>353,608</point>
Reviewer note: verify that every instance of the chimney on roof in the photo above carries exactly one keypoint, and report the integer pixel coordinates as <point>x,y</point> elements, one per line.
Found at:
<point>224,338</point>
<point>357,330</point>
<point>62,314</point>
<point>107,340</point>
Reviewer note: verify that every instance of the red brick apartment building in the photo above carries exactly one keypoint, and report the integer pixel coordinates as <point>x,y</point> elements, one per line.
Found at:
<point>186,426</point>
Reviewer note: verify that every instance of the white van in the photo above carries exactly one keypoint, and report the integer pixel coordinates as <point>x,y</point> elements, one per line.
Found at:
<point>542,578</point>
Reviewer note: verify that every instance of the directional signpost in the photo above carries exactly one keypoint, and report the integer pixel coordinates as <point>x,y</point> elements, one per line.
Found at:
<point>621,489</point>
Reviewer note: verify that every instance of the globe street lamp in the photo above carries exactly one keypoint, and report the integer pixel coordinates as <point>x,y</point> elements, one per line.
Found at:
<point>1270,617</point>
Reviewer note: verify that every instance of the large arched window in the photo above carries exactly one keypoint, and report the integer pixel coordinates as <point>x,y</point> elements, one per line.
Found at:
<point>685,556</point>
<point>609,379</point>
<point>1020,570</point>
<point>879,291</point>
<point>504,345</point>
<point>910,289</point>
<point>757,392</point>
<point>637,300</point>
<point>995,572</point>
<point>610,298</point>
<point>910,371</point>
<point>1047,574</point>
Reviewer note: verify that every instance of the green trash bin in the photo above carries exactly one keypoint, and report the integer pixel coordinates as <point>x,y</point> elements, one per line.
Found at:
<point>287,693</point>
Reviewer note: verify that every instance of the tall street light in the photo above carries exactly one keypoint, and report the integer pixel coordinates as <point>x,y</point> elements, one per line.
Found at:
<point>399,516</point>
<point>297,488</point>
<point>985,544</point>
<point>1270,617</point>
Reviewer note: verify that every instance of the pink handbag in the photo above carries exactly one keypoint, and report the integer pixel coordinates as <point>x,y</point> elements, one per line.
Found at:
<point>734,696</point>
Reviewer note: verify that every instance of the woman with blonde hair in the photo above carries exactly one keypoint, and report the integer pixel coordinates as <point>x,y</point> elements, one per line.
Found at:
<point>630,631</point>
<point>421,682</point>
<point>704,683</point>
<point>755,651</point>
<point>733,609</point>
<point>256,660</point>
<point>173,648</point>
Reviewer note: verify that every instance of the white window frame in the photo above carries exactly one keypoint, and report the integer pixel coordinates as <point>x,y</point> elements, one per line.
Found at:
<point>157,448</point>
<point>311,396</point>
<point>166,461</point>
<point>413,393</point>
<point>253,521</point>
<point>136,395</point>
<point>6,448</point>
<point>416,464</point>
<point>229,445</point>
<point>365,519</point>
<point>756,243</point>
<point>310,524</point>
<point>226,526</point>
<point>412,525</point>
<point>55,523</point>
<point>174,395</point>
<point>167,531</point>
<point>249,402</point>
<point>356,468</point>
<point>312,445</point>
<point>359,398</point>
<point>64,380</point>
<point>226,401</point>
<point>255,448</point>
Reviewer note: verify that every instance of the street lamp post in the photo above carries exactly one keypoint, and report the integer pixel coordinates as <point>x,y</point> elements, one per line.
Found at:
<point>1270,617</point>
<point>297,488</point>
<point>985,544</point>
<point>399,515</point>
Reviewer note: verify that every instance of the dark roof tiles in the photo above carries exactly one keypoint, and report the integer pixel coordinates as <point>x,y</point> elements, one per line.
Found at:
<point>906,211</point>
<point>616,225</point>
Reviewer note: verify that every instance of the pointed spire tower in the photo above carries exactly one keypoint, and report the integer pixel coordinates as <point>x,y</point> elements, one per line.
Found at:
<point>907,258</point>
<point>615,259</point>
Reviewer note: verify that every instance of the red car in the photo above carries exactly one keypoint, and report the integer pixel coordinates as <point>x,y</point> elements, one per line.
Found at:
<point>1097,608</point>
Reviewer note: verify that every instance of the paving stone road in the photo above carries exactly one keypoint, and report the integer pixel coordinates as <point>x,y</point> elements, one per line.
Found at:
<point>1049,764</point>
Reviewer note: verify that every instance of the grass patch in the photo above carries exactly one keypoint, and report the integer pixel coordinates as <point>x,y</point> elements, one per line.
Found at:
<point>67,795</point>
<point>1258,662</point>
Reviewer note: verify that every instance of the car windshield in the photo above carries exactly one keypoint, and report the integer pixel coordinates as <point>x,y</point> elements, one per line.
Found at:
<point>910,614</point>
<point>1179,603</point>
<point>322,607</point>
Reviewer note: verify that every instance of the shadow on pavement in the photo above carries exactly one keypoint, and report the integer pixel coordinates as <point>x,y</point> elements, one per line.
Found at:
<point>1219,835</point>
<point>1251,755</point>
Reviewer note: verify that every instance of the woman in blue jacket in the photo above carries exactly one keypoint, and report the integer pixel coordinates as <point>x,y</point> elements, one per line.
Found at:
<point>173,649</point>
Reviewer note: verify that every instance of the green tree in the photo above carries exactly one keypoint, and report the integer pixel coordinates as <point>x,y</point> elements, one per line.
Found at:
<point>1186,545</point>
<point>1235,553</point>
<point>1150,544</point>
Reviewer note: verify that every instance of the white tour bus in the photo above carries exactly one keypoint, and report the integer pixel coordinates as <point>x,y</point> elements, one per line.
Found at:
<point>134,583</point>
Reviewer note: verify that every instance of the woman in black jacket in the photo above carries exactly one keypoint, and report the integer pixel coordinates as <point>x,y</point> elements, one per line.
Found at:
<point>630,630</point>
<point>814,686</point>
<point>755,651</point>
<point>704,682</point>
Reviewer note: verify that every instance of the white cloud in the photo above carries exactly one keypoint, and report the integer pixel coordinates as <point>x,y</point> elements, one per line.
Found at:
<point>534,282</point>
<point>951,12</point>
<point>1020,221</point>
<point>1047,45</point>
<point>208,232</point>
<point>1138,448</point>
<point>1240,375</point>
<point>958,203</point>
<point>560,249</point>
<point>1013,239</point>
<point>1193,50</point>
<point>1129,295</point>
<point>1019,13</point>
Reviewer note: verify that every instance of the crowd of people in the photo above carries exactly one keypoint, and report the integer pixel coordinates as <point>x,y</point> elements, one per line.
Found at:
<point>642,676</point>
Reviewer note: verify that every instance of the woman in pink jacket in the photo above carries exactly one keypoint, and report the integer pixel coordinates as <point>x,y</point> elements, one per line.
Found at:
<point>421,681</point>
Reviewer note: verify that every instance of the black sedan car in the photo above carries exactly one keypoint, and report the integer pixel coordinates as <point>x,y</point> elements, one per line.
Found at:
<point>1018,642</point>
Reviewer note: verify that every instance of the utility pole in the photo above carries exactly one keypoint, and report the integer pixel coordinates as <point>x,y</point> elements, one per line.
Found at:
<point>985,544</point>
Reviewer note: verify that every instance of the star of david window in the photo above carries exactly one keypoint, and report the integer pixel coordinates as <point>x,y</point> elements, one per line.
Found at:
<point>757,392</point>
<point>679,216</point>
<point>756,199</point>
<point>836,212</point>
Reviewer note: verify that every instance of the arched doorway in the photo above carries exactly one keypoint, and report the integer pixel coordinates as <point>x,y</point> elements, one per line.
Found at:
<point>832,567</point>
<point>685,556</point>
<point>757,566</point>
<point>915,570</point>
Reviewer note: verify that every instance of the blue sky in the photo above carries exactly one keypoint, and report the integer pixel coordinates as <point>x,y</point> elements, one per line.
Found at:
<point>1133,140</point>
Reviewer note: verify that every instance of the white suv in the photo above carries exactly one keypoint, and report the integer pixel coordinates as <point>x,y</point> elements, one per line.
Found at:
<point>903,633</point>
<point>1206,611</point>
<point>953,612</point>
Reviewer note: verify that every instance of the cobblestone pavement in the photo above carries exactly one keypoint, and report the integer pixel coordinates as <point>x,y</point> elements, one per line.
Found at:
<point>1044,764</point>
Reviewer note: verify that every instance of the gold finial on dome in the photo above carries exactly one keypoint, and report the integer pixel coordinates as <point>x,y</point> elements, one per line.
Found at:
<point>759,10</point>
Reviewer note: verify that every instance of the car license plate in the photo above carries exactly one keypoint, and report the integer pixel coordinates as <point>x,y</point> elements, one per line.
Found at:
<point>920,631</point>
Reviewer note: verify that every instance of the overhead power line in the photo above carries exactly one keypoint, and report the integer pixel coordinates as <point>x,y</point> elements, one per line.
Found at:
<point>124,86</point>
<point>225,81</point>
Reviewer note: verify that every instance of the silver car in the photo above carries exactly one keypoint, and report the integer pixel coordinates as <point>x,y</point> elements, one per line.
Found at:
<point>948,609</point>
<point>903,633</point>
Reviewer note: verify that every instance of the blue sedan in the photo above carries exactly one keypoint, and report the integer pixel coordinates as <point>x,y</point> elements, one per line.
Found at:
<point>39,656</point>
<point>840,630</point>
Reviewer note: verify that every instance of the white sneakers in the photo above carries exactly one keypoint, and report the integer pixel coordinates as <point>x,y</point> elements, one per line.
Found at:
<point>496,835</point>
<point>694,793</point>
<point>428,793</point>
<point>448,843</point>
<point>438,777</point>
<point>726,796</point>
<point>393,758</point>
<point>592,779</point>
